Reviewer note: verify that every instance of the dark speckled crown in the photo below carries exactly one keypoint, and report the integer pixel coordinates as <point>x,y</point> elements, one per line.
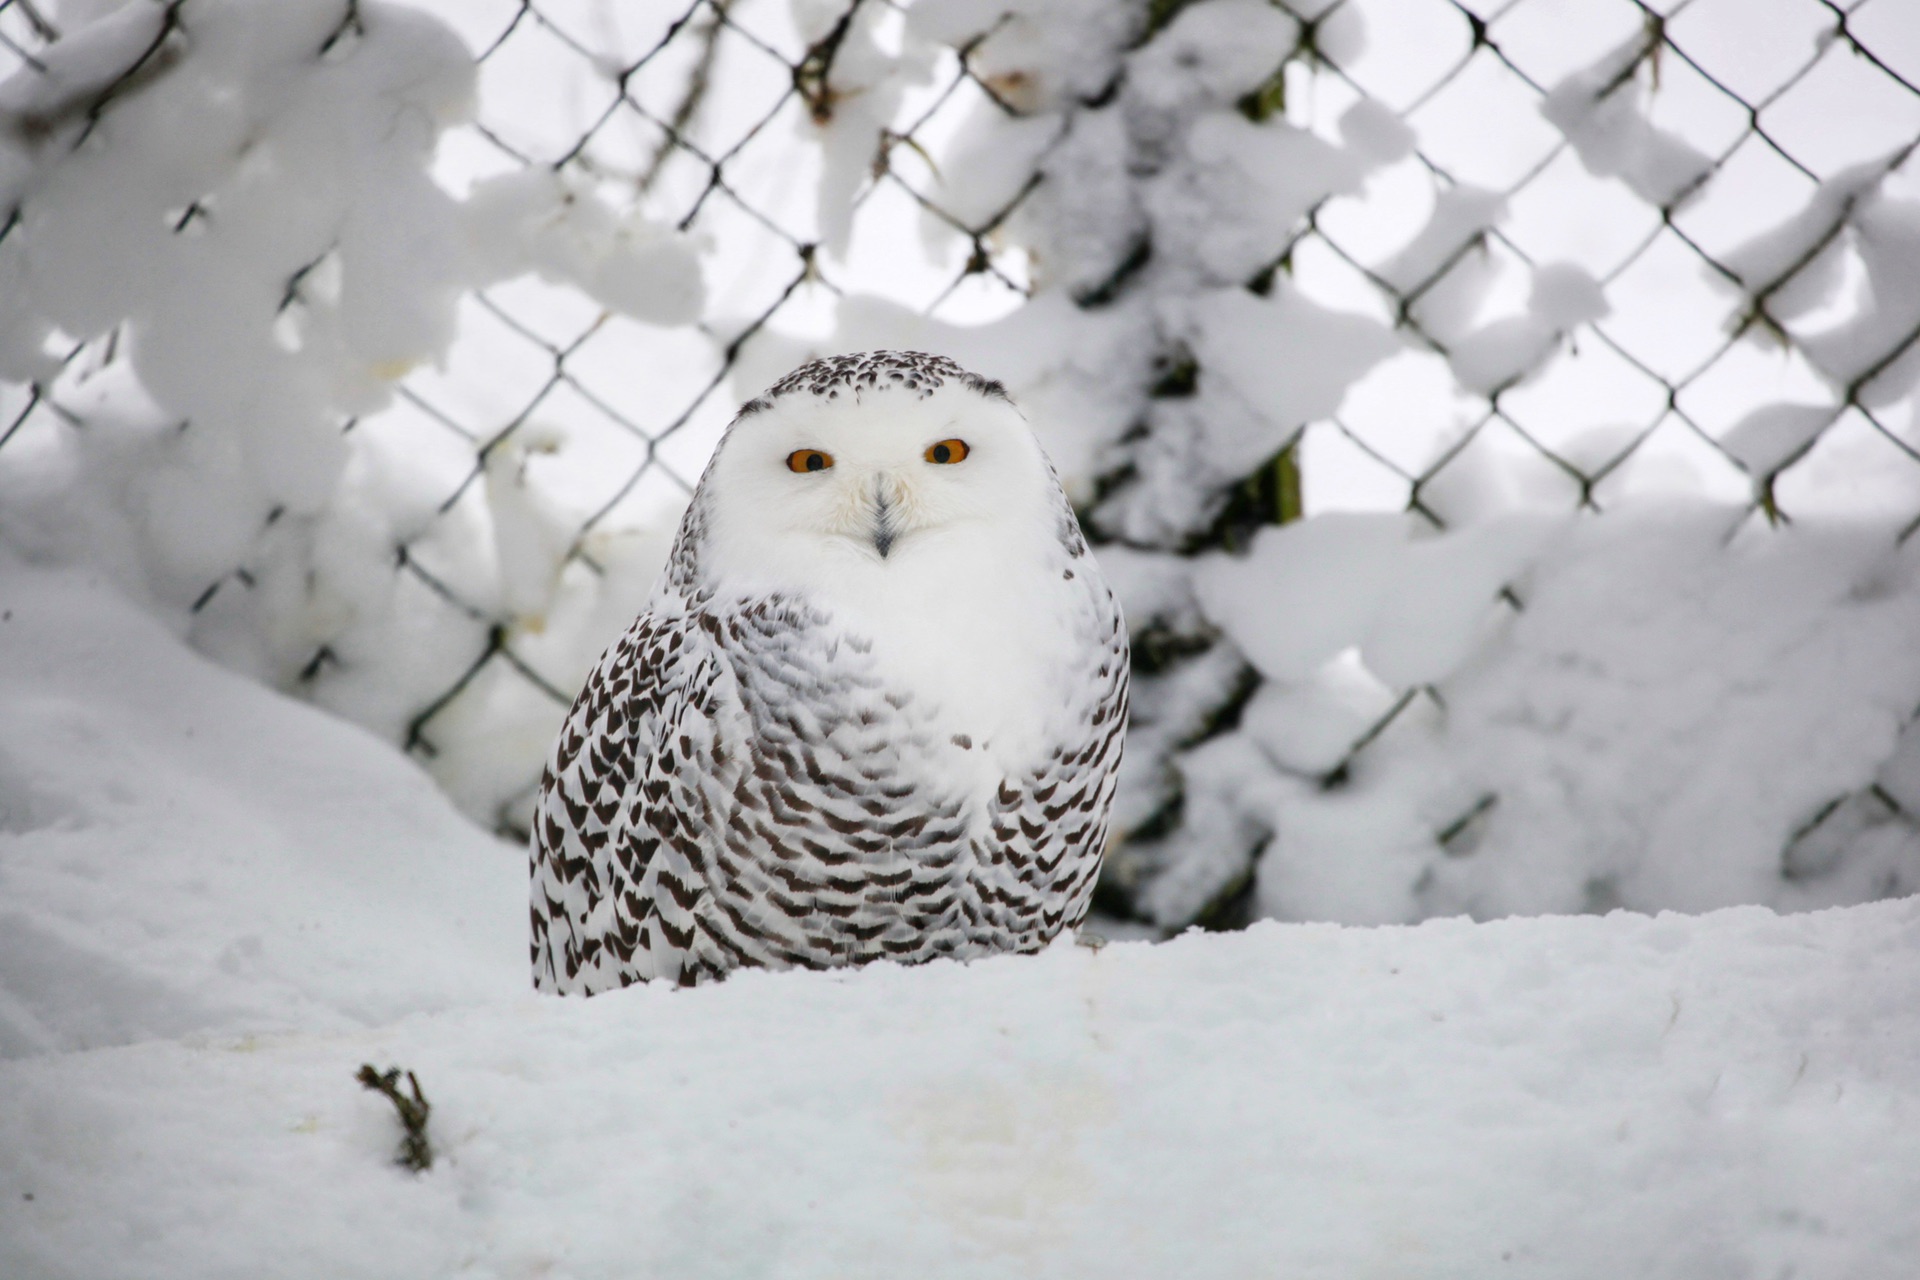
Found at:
<point>912,371</point>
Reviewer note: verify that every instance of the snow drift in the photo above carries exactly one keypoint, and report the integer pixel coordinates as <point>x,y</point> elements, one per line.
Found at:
<point>250,900</point>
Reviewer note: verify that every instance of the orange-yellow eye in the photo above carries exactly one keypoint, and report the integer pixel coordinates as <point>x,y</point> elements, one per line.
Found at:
<point>948,451</point>
<point>804,460</point>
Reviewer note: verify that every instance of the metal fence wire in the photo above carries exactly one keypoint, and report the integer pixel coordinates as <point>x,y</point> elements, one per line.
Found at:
<point>692,121</point>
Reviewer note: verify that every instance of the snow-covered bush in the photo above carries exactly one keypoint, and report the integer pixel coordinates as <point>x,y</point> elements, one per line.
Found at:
<point>1546,641</point>
<point>225,252</point>
<point>379,362</point>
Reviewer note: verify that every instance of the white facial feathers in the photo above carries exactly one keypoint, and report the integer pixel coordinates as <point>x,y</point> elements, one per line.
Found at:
<point>879,495</point>
<point>967,576</point>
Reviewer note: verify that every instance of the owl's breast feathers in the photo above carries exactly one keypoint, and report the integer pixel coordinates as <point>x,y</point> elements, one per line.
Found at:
<point>742,784</point>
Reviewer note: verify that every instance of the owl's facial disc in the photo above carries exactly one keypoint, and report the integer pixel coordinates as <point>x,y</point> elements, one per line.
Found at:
<point>816,491</point>
<point>884,474</point>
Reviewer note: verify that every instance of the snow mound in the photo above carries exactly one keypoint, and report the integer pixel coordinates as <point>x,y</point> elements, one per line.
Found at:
<point>184,851</point>
<point>1726,1095</point>
<point>268,899</point>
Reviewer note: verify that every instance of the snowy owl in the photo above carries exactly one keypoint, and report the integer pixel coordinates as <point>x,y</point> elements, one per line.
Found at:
<point>873,709</point>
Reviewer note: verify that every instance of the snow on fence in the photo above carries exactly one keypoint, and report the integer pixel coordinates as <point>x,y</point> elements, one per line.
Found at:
<point>378,347</point>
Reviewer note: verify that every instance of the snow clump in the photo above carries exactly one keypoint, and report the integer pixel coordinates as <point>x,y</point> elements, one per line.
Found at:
<point>228,250</point>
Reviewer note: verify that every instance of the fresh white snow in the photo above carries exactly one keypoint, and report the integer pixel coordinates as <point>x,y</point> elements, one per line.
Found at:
<point>1731,1095</point>
<point>1596,109</point>
<point>219,903</point>
<point>183,851</point>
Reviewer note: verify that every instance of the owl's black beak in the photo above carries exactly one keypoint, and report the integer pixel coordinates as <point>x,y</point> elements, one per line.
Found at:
<point>884,532</point>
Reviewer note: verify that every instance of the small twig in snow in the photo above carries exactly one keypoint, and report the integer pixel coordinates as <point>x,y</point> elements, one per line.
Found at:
<point>415,1153</point>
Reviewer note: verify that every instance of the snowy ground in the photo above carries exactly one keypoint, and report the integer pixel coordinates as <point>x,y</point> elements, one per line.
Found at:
<point>1731,1095</point>
<point>183,851</point>
<point>219,903</point>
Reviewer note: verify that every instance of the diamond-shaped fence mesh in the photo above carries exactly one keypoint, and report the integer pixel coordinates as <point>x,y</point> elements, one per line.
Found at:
<point>1683,229</point>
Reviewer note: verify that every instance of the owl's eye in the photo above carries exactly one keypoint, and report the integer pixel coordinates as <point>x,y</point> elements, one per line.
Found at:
<point>804,460</point>
<point>948,451</point>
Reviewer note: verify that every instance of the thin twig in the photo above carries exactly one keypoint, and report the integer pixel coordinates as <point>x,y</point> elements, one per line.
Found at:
<point>415,1153</point>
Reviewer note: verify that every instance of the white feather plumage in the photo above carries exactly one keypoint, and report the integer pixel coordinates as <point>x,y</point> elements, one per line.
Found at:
<point>871,711</point>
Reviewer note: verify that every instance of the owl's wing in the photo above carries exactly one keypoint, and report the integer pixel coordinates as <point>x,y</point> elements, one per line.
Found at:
<point>1049,825</point>
<point>625,780</point>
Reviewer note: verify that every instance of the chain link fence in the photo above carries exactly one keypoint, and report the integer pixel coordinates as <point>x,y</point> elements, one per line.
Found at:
<point>727,121</point>
<point>650,139</point>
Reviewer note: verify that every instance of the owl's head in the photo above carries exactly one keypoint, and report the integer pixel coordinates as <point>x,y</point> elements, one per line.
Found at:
<point>884,462</point>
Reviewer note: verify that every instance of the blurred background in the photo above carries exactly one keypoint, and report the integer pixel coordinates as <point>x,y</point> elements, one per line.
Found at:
<point>1497,419</point>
